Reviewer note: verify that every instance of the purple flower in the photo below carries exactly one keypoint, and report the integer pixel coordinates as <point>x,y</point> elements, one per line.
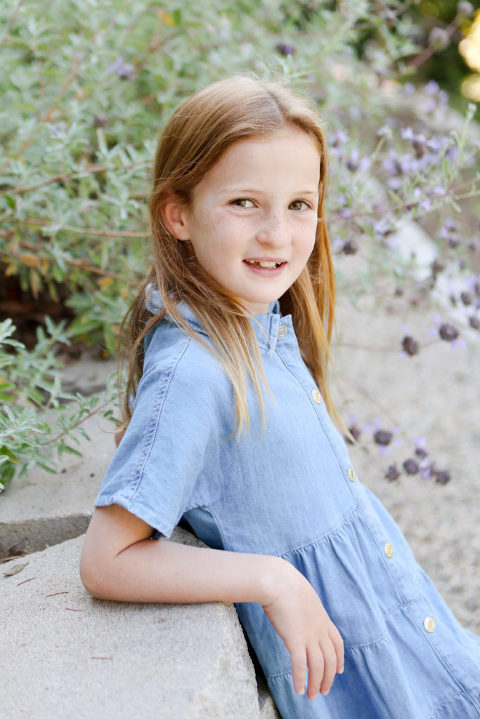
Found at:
<point>124,70</point>
<point>391,163</point>
<point>407,133</point>
<point>435,143</point>
<point>419,442</point>
<point>410,346</point>
<point>353,161</point>
<point>350,247</point>
<point>355,432</point>
<point>442,476</point>
<point>383,437</point>
<point>337,244</point>
<point>432,87</point>
<point>425,205</point>
<point>436,268</point>
<point>383,227</point>
<point>392,473</point>
<point>411,466</point>
<point>452,153</point>
<point>439,38</point>
<point>443,98</point>
<point>340,138</point>
<point>465,8</point>
<point>385,131</point>
<point>448,228</point>
<point>448,332</point>
<point>285,49</point>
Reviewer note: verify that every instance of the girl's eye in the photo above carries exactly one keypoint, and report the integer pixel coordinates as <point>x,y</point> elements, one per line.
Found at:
<point>299,205</point>
<point>242,202</point>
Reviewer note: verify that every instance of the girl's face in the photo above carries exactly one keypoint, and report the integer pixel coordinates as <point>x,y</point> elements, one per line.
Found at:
<point>252,219</point>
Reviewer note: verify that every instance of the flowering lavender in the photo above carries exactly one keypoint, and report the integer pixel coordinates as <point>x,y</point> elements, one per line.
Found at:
<point>124,70</point>
<point>411,466</point>
<point>350,247</point>
<point>410,346</point>
<point>448,332</point>
<point>285,49</point>
<point>392,473</point>
<point>382,437</point>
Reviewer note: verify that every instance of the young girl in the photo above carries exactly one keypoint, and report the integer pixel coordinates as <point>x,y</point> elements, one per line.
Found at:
<point>231,430</point>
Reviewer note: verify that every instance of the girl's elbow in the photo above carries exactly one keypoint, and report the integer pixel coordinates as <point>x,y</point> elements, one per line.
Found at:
<point>89,578</point>
<point>93,575</point>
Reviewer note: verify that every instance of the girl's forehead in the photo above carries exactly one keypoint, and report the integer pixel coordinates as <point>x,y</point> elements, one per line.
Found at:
<point>288,134</point>
<point>289,151</point>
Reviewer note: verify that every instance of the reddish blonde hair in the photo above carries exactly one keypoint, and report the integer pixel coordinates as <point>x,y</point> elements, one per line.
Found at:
<point>197,134</point>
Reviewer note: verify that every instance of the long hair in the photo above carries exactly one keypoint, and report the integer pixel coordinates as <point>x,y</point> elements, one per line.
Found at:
<point>196,136</point>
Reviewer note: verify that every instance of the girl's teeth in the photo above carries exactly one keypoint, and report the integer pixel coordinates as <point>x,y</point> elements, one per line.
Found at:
<point>267,265</point>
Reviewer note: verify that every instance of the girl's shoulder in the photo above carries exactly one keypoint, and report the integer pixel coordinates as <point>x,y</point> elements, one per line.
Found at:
<point>184,361</point>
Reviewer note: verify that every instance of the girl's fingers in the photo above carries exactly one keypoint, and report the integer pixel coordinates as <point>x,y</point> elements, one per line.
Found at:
<point>299,667</point>
<point>315,670</point>
<point>338,644</point>
<point>330,661</point>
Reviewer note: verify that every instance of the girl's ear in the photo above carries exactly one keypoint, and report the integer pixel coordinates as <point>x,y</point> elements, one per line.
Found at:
<point>174,215</point>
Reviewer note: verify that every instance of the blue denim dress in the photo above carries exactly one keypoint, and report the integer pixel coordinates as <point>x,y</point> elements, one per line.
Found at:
<point>291,491</point>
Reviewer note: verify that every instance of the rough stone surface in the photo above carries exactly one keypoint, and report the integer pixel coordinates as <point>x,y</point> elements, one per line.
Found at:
<point>71,656</point>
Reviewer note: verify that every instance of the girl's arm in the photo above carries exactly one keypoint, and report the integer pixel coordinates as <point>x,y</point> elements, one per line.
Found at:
<point>120,562</point>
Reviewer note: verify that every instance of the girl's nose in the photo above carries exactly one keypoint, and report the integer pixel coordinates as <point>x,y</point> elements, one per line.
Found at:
<point>274,231</point>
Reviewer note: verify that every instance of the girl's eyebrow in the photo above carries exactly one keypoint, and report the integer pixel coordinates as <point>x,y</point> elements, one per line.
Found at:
<point>239,190</point>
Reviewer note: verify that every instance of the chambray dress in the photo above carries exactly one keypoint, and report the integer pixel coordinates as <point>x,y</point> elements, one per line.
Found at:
<point>292,492</point>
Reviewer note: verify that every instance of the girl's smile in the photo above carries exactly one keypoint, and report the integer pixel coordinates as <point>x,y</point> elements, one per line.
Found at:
<point>266,267</point>
<point>252,219</point>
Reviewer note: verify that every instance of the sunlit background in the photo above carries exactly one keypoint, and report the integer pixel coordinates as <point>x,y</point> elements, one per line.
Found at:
<point>469,48</point>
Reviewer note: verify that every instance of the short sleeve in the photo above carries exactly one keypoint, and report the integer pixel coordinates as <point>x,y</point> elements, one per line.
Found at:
<point>171,441</point>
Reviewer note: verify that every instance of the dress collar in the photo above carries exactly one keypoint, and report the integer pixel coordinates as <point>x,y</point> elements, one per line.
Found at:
<point>268,327</point>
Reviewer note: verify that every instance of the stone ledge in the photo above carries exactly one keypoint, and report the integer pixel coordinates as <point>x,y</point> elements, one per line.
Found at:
<point>70,655</point>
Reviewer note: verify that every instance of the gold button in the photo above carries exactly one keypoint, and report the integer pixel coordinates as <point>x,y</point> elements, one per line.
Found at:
<point>282,331</point>
<point>388,549</point>
<point>429,624</point>
<point>351,474</point>
<point>317,397</point>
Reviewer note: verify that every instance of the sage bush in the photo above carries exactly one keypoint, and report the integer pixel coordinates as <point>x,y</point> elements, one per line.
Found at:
<point>86,88</point>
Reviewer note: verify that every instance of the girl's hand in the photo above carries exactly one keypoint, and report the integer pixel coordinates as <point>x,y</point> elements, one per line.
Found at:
<point>311,638</point>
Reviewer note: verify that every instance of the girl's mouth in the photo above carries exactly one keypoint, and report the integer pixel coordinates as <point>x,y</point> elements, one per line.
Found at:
<point>265,264</point>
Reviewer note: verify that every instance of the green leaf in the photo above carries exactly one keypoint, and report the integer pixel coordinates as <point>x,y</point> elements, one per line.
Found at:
<point>5,451</point>
<point>70,450</point>
<point>7,473</point>
<point>11,200</point>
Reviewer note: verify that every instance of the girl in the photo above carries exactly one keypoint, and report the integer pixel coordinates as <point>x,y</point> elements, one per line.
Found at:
<point>231,430</point>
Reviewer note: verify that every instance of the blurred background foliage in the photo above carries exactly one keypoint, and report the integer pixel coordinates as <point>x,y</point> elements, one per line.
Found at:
<point>86,88</point>
<point>445,25</point>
